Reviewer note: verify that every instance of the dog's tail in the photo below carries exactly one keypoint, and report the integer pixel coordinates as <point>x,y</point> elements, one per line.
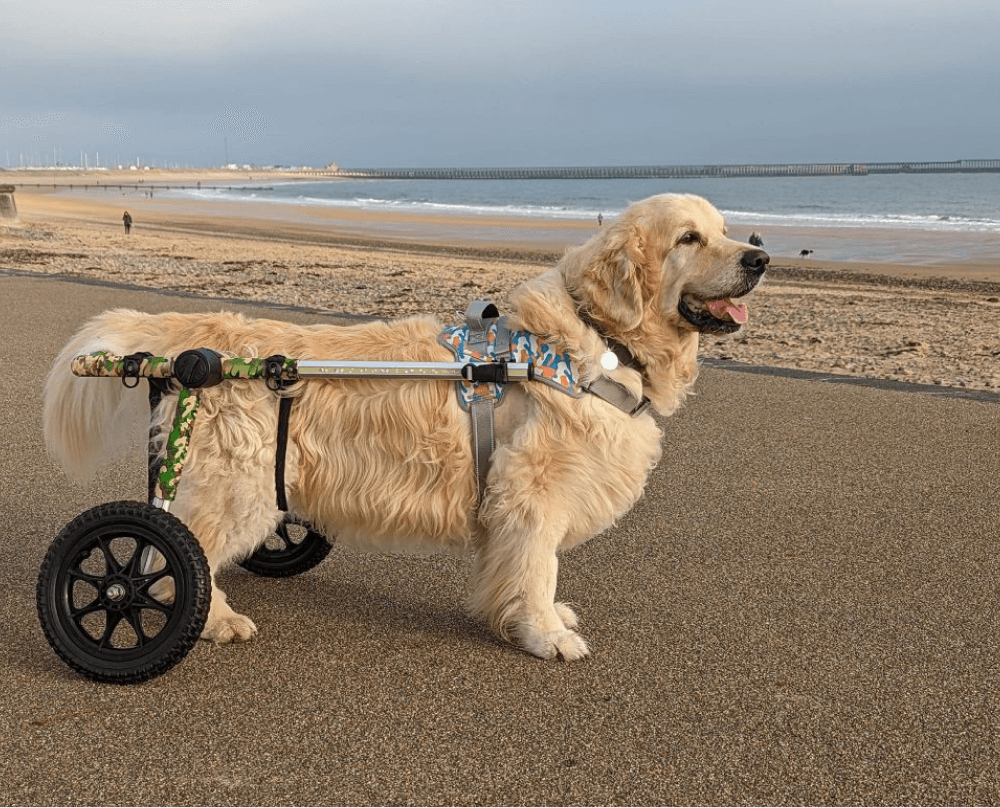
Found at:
<point>88,422</point>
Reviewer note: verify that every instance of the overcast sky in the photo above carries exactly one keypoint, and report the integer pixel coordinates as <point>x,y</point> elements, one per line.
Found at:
<point>373,83</point>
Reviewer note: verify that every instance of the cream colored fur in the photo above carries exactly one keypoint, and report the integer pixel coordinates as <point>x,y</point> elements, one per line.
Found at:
<point>388,464</point>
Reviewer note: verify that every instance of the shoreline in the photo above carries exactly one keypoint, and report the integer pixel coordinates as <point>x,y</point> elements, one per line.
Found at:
<point>911,323</point>
<point>901,252</point>
<point>517,237</point>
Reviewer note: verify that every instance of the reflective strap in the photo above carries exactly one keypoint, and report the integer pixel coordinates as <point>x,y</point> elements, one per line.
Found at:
<point>477,317</point>
<point>483,443</point>
<point>503,338</point>
<point>478,313</point>
<point>617,395</point>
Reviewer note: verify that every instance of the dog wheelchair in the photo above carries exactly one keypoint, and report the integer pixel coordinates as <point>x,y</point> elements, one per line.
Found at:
<point>124,590</point>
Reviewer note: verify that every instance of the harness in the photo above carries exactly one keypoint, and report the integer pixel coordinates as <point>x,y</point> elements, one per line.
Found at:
<point>487,355</point>
<point>486,339</point>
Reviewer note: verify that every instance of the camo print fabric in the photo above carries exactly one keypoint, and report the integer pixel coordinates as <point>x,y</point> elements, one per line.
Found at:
<point>178,445</point>
<point>239,368</point>
<point>102,363</point>
<point>551,367</point>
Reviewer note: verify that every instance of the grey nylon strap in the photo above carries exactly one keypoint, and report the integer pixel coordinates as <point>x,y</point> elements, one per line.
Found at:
<point>481,408</point>
<point>617,395</point>
<point>477,318</point>
<point>483,442</point>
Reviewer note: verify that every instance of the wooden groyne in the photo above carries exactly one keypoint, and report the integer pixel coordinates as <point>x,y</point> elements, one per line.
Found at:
<point>8,209</point>
<point>666,171</point>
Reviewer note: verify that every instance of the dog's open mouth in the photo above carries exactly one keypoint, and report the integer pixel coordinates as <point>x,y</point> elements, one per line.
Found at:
<point>721,316</point>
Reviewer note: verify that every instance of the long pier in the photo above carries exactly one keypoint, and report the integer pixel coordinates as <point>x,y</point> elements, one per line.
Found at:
<point>114,185</point>
<point>666,171</point>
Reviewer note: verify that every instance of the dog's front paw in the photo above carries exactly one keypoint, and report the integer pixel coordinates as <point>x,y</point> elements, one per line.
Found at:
<point>563,643</point>
<point>229,628</point>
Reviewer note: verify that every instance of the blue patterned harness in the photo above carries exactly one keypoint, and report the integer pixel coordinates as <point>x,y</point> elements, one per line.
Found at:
<point>485,339</point>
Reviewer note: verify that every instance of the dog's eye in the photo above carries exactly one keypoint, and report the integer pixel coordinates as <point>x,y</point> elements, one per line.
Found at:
<point>690,237</point>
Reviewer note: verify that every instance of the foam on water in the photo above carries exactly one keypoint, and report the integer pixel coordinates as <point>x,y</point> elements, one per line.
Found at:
<point>953,215</point>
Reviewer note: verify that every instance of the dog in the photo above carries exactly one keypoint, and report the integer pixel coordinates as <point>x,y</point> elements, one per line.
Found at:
<point>388,464</point>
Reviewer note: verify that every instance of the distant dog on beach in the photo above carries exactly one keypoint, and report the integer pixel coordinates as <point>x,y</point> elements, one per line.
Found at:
<point>388,464</point>
<point>804,253</point>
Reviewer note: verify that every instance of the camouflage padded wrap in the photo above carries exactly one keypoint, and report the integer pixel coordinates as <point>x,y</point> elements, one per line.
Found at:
<point>240,368</point>
<point>102,363</point>
<point>178,444</point>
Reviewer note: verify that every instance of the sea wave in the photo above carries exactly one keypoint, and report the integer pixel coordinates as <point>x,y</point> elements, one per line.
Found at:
<point>404,205</point>
<point>943,223</point>
<point>807,216</point>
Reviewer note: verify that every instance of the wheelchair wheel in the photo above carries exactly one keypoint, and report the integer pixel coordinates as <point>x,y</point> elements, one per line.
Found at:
<point>124,592</point>
<point>292,549</point>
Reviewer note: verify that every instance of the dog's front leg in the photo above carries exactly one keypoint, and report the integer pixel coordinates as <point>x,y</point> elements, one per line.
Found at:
<point>514,584</point>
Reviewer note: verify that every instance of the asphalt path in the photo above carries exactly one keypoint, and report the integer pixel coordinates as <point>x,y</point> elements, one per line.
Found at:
<point>802,610</point>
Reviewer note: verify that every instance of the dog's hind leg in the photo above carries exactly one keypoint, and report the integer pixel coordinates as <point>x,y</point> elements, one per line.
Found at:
<point>514,586</point>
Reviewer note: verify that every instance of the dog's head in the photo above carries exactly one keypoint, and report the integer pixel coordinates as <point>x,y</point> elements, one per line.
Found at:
<point>669,257</point>
<point>663,272</point>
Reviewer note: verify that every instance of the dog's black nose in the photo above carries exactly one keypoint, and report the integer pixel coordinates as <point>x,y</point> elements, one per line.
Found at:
<point>755,261</point>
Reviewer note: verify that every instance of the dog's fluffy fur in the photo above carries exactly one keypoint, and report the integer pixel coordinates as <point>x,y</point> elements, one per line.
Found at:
<point>389,464</point>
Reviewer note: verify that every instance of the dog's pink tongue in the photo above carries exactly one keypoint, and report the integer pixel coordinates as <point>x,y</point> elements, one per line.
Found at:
<point>726,308</point>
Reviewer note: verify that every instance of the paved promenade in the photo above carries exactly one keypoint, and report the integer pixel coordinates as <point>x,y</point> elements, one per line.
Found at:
<point>803,609</point>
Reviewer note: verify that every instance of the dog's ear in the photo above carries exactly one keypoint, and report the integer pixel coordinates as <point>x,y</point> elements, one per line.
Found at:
<point>613,282</point>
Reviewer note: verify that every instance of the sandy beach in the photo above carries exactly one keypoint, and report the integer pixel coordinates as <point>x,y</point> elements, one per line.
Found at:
<point>931,324</point>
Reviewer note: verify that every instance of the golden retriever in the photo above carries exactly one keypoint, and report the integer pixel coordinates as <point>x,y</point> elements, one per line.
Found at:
<point>389,464</point>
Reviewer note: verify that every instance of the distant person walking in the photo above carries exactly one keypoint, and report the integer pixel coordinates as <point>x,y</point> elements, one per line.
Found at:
<point>600,219</point>
<point>127,221</point>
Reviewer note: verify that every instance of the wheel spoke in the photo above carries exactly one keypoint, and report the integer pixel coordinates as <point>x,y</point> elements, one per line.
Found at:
<point>143,600</point>
<point>135,620</point>
<point>133,568</point>
<point>114,618</point>
<point>79,612</point>
<point>109,558</point>
<point>77,574</point>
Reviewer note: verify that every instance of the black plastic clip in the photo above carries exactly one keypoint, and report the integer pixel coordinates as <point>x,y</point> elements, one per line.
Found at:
<point>274,367</point>
<point>131,365</point>
<point>490,373</point>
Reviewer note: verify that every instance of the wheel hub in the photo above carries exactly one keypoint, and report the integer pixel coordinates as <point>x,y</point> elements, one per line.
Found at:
<point>117,593</point>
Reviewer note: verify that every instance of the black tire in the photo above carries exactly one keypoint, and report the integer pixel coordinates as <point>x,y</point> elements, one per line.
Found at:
<point>292,549</point>
<point>94,598</point>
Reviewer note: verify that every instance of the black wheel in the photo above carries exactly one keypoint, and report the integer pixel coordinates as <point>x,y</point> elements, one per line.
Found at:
<point>292,549</point>
<point>124,592</point>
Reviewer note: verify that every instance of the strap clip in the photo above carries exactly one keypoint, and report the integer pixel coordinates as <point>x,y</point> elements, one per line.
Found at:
<point>490,372</point>
<point>131,367</point>
<point>274,367</point>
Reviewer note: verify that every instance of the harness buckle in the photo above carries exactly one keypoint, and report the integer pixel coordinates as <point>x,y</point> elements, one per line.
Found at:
<point>491,372</point>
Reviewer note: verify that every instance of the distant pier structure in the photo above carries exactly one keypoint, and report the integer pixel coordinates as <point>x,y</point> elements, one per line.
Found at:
<point>667,172</point>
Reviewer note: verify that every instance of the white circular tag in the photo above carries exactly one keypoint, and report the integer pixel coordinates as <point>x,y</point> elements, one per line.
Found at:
<point>609,360</point>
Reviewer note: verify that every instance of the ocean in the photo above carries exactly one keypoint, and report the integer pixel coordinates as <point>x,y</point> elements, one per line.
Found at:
<point>903,218</point>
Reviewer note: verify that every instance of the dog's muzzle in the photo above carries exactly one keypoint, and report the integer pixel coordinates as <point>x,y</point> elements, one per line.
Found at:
<point>721,315</point>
